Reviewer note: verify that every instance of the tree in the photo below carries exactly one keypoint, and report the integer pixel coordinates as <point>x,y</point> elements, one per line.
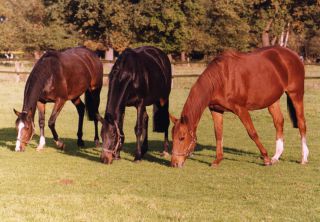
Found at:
<point>159,23</point>
<point>228,24</point>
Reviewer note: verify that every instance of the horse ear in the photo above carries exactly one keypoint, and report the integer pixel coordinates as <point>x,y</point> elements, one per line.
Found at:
<point>99,118</point>
<point>173,119</point>
<point>29,114</point>
<point>16,112</point>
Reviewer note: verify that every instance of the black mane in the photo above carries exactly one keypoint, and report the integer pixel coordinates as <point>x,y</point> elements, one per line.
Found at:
<point>44,68</point>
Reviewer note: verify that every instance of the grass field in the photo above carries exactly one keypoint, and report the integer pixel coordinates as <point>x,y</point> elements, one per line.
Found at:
<point>74,186</point>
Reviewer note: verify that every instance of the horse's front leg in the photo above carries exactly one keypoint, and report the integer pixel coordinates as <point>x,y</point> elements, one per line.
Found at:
<point>41,111</point>
<point>121,120</point>
<point>218,130</point>
<point>165,152</point>
<point>144,136</point>
<point>80,109</point>
<point>55,112</point>
<point>245,118</point>
<point>138,131</point>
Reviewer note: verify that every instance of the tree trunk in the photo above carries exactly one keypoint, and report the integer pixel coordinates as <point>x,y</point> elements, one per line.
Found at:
<point>287,35</point>
<point>109,54</point>
<point>37,54</point>
<point>170,57</point>
<point>265,34</point>
<point>273,42</point>
<point>281,39</point>
<point>183,56</point>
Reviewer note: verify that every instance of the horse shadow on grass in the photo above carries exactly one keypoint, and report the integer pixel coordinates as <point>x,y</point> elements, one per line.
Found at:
<point>89,152</point>
<point>8,137</point>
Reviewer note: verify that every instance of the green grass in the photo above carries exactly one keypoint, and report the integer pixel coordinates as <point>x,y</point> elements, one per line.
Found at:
<point>74,186</point>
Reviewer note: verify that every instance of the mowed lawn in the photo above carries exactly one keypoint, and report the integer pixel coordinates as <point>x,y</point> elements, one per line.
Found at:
<point>74,185</point>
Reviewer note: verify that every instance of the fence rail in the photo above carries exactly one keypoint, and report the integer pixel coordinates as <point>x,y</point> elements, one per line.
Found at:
<point>106,75</point>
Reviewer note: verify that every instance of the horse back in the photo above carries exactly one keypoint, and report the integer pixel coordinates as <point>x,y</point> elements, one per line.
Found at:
<point>153,77</point>
<point>258,79</point>
<point>68,74</point>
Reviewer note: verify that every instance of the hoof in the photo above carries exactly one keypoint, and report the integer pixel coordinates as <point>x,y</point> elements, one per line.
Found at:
<point>80,143</point>
<point>20,150</point>
<point>304,162</point>
<point>214,165</point>
<point>165,154</point>
<point>39,148</point>
<point>60,145</point>
<point>97,143</point>
<point>268,163</point>
<point>137,160</point>
<point>274,161</point>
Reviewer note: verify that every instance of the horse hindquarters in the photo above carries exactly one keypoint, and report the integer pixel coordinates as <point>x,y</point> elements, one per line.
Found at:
<point>297,102</point>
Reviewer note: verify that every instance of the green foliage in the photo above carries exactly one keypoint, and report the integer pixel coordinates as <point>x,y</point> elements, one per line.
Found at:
<point>188,26</point>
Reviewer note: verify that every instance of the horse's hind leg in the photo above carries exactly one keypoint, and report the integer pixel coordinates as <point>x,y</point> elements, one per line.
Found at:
<point>278,121</point>
<point>297,100</point>
<point>52,120</point>
<point>218,130</point>
<point>80,109</point>
<point>41,110</point>
<point>247,122</point>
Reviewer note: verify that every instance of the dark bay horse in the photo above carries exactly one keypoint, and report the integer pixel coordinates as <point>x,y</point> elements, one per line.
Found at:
<point>58,77</point>
<point>140,77</point>
<point>238,83</point>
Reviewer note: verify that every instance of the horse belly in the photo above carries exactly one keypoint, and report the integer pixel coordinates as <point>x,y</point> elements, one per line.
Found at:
<point>264,96</point>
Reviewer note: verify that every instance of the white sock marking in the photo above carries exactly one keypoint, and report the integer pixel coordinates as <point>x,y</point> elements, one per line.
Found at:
<point>279,149</point>
<point>42,142</point>
<point>305,150</point>
<point>20,127</point>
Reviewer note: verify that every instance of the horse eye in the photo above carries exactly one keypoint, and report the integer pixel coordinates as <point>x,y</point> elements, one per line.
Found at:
<point>181,138</point>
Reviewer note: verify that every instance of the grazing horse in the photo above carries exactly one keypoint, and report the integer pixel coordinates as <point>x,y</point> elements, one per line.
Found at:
<point>241,82</point>
<point>58,77</point>
<point>140,77</point>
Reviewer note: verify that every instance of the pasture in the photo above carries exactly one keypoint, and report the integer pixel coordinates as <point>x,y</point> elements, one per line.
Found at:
<point>74,186</point>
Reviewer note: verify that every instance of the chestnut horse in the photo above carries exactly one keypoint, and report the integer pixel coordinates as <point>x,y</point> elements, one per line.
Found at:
<point>140,77</point>
<point>241,82</point>
<point>58,77</point>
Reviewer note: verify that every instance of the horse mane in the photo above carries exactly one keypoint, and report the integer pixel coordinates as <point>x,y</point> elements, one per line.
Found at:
<point>42,71</point>
<point>202,91</point>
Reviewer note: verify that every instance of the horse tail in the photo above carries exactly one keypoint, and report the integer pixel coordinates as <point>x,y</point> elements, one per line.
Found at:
<point>292,112</point>
<point>161,117</point>
<point>92,101</point>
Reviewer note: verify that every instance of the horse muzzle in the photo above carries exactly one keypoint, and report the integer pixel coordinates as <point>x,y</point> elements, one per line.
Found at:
<point>177,161</point>
<point>106,157</point>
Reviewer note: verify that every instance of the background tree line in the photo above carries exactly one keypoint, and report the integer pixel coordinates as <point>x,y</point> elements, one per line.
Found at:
<point>182,27</point>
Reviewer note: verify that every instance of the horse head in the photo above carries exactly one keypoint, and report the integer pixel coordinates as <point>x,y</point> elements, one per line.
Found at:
<point>111,138</point>
<point>25,129</point>
<point>183,141</point>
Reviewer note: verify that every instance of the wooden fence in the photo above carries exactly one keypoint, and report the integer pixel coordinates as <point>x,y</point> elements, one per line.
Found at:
<point>108,63</point>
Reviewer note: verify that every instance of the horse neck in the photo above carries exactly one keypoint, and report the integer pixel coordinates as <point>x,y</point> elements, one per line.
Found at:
<point>116,101</point>
<point>199,97</point>
<point>34,86</point>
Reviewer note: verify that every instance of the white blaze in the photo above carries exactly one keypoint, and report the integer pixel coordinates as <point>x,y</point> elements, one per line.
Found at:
<point>279,149</point>
<point>20,127</point>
